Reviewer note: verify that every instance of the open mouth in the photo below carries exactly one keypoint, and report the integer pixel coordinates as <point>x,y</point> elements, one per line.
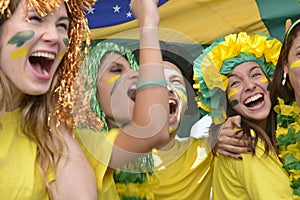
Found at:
<point>173,106</point>
<point>254,101</point>
<point>131,92</point>
<point>42,62</point>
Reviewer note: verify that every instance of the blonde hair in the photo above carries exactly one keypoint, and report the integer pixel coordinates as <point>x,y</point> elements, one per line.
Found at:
<point>40,114</point>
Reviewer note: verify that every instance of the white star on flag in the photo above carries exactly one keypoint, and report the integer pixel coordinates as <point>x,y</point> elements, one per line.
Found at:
<point>90,10</point>
<point>129,14</point>
<point>116,8</point>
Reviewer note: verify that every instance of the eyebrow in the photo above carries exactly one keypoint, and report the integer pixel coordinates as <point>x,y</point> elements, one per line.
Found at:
<point>252,68</point>
<point>63,18</point>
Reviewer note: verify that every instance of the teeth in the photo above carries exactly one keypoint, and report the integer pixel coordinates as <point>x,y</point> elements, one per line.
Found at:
<point>172,101</point>
<point>45,72</point>
<point>253,98</point>
<point>44,54</point>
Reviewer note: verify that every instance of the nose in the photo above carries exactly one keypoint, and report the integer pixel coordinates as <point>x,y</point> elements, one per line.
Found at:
<point>51,34</point>
<point>249,84</point>
<point>133,74</point>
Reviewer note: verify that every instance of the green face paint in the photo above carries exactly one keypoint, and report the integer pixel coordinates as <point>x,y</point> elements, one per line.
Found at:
<point>21,37</point>
<point>66,41</point>
<point>234,102</point>
<point>181,93</point>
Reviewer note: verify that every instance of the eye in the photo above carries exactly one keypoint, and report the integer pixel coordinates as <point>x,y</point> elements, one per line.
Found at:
<point>234,83</point>
<point>65,26</point>
<point>256,75</point>
<point>117,70</point>
<point>176,81</point>
<point>35,18</point>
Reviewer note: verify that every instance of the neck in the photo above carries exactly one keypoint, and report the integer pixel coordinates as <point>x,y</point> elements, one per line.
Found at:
<point>262,124</point>
<point>297,99</point>
<point>171,143</point>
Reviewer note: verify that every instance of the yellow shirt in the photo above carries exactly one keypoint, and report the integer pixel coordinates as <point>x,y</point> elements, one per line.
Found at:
<point>98,149</point>
<point>19,175</point>
<point>184,171</point>
<point>256,177</point>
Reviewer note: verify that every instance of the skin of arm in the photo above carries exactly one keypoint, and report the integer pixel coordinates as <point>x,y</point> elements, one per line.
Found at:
<point>149,127</point>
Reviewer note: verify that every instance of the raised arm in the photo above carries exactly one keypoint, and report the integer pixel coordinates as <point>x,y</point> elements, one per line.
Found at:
<point>149,127</point>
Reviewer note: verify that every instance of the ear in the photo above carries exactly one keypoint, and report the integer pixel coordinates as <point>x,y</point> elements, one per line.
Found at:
<point>288,24</point>
<point>285,68</point>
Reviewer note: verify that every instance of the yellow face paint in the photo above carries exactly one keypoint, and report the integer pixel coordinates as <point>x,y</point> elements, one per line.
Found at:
<point>295,64</point>
<point>181,95</point>
<point>232,92</point>
<point>20,53</point>
<point>113,78</point>
<point>264,80</point>
<point>170,130</point>
<point>60,57</point>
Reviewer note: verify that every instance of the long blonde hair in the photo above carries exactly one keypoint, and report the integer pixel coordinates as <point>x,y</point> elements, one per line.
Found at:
<point>41,114</point>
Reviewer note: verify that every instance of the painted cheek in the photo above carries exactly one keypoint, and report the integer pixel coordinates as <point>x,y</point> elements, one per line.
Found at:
<point>60,57</point>
<point>264,80</point>
<point>295,64</point>
<point>117,78</point>
<point>181,92</point>
<point>20,53</point>
<point>230,94</point>
<point>234,102</point>
<point>113,78</point>
<point>21,37</point>
<point>66,41</point>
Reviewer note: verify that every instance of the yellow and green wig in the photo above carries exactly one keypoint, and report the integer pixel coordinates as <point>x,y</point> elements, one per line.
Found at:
<point>217,61</point>
<point>133,179</point>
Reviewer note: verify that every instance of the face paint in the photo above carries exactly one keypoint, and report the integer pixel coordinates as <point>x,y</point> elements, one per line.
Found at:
<point>264,80</point>
<point>234,102</point>
<point>115,85</point>
<point>295,64</point>
<point>232,92</point>
<point>113,78</point>
<point>181,93</point>
<point>21,37</point>
<point>66,41</point>
<point>60,57</point>
<point>170,130</point>
<point>20,53</point>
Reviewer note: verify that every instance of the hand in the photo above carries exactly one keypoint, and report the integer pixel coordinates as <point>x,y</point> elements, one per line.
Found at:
<point>146,12</point>
<point>231,140</point>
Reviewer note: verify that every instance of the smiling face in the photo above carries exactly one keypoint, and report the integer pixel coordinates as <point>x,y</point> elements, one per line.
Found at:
<point>247,92</point>
<point>116,89</point>
<point>292,68</point>
<point>177,94</point>
<point>31,50</point>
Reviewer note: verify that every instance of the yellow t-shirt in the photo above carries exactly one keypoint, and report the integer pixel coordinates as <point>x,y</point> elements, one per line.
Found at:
<point>184,171</point>
<point>256,177</point>
<point>19,175</point>
<point>98,149</point>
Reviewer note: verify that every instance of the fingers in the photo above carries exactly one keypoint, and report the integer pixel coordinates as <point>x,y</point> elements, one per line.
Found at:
<point>232,122</point>
<point>232,155</point>
<point>146,12</point>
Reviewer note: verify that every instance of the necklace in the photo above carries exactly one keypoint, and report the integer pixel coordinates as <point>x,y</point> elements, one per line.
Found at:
<point>288,140</point>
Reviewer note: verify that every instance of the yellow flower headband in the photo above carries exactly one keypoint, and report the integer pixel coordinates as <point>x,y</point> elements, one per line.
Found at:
<point>72,60</point>
<point>217,61</point>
